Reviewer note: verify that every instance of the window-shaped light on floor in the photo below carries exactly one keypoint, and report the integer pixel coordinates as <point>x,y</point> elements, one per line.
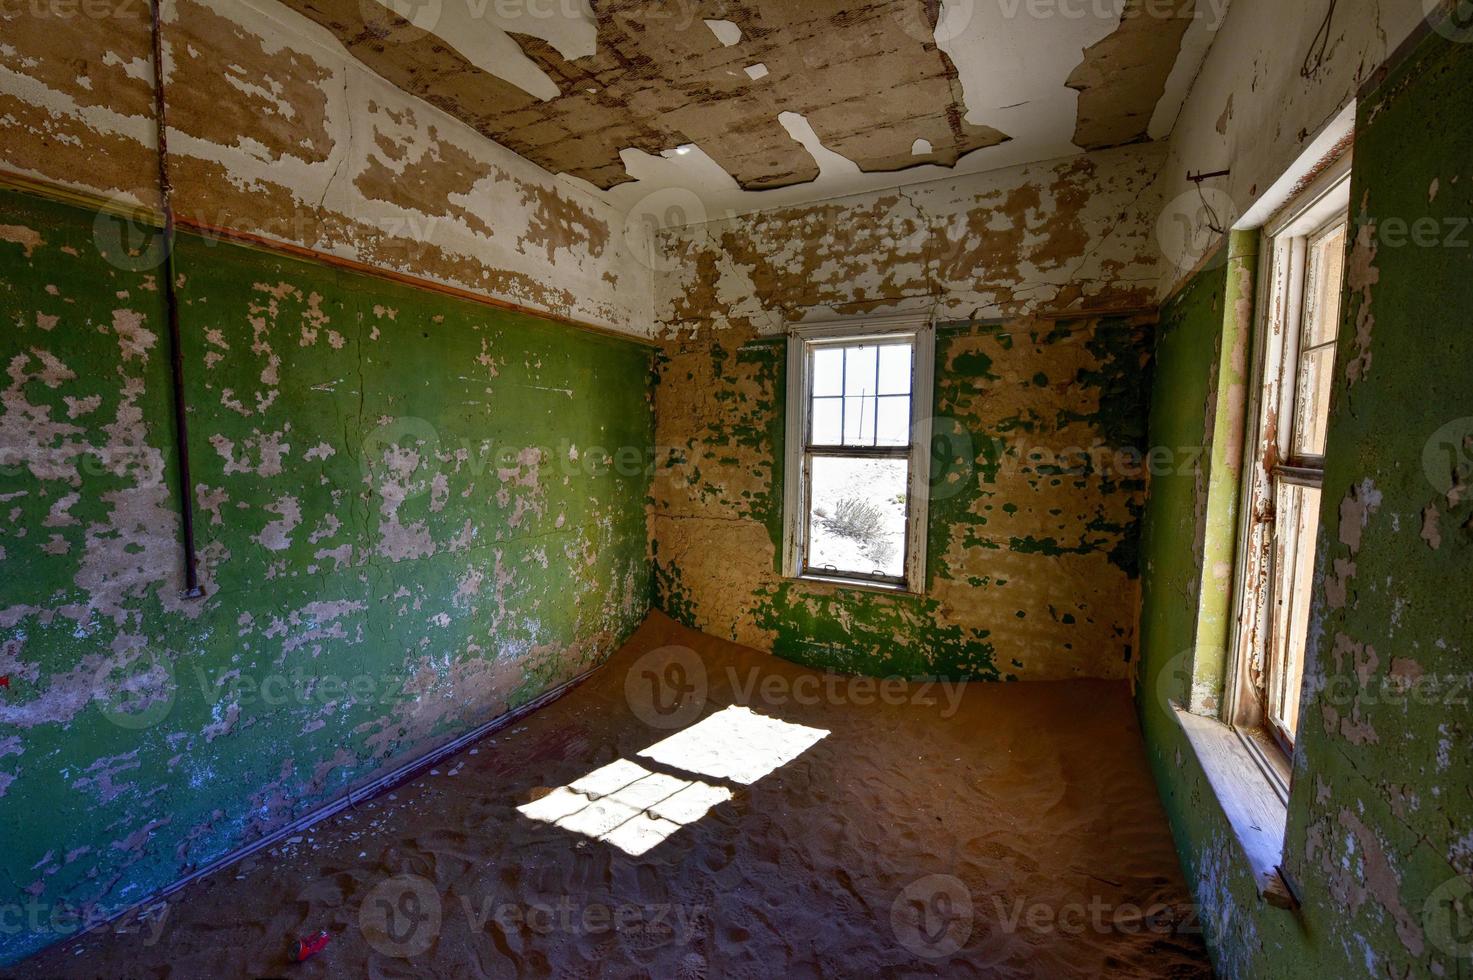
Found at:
<point>626,805</point>
<point>736,744</point>
<point>634,809</point>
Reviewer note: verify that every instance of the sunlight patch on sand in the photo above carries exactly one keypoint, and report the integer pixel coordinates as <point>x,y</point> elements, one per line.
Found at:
<point>626,805</point>
<point>736,744</point>
<point>635,809</point>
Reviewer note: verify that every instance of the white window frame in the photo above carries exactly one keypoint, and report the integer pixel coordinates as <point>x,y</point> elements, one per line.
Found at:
<point>1287,241</point>
<point>801,341</point>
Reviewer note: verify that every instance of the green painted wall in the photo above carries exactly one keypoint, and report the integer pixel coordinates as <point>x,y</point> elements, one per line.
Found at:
<point>1380,833</point>
<point>414,513</point>
<point>1173,527</point>
<point>1038,484</point>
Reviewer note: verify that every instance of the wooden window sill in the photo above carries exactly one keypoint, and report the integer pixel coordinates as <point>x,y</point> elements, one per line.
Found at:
<point>839,582</point>
<point>1249,800</point>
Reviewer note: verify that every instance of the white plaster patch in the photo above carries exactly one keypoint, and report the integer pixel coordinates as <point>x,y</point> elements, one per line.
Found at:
<point>398,542</point>
<point>78,407</point>
<point>134,339</point>
<point>754,72</point>
<point>726,32</point>
<point>276,536</point>
<point>829,162</point>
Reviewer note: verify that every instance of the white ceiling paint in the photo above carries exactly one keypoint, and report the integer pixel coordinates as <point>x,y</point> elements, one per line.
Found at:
<point>1013,68</point>
<point>831,165</point>
<point>1194,46</point>
<point>726,32</point>
<point>478,30</point>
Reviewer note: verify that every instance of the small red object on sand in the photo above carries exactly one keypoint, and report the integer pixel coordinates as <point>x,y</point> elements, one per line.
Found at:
<point>312,945</point>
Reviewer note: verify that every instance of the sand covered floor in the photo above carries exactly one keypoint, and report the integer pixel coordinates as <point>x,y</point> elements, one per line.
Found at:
<point>697,809</point>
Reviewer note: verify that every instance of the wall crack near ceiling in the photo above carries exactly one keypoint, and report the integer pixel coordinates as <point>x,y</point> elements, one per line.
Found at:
<point>348,144</point>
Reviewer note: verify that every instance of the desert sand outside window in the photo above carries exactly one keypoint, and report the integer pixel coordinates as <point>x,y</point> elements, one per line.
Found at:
<point>858,447</point>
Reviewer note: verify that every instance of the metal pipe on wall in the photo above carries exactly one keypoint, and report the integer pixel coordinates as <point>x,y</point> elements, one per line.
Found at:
<point>192,588</point>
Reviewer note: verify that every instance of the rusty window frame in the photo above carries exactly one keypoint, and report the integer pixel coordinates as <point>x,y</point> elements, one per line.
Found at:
<point>1300,470</point>
<point>1274,462</point>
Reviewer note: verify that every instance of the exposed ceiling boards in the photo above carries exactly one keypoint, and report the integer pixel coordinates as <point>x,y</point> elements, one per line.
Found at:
<point>480,31</point>
<point>1122,78</point>
<point>739,105</point>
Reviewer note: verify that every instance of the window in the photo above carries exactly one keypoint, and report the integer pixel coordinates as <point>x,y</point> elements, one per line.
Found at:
<point>858,438</point>
<point>1306,276</point>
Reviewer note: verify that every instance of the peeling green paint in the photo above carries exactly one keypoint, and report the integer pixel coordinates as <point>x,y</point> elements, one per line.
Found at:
<point>1170,580</point>
<point>1016,484</point>
<point>1380,830</point>
<point>414,514</point>
<point>852,631</point>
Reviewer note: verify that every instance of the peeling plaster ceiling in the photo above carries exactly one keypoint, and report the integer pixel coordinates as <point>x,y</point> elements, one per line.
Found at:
<point>697,109</point>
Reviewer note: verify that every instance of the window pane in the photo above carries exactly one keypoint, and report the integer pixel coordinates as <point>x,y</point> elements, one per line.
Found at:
<point>892,426</point>
<point>857,515</point>
<point>1322,292</point>
<point>828,371</point>
<point>1312,401</point>
<point>859,421</point>
<point>828,422</point>
<point>895,374</point>
<point>1298,522</point>
<point>1317,350</point>
<point>859,370</point>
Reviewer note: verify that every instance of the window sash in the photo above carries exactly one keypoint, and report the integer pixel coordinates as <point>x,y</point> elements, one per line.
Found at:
<point>1290,534</point>
<point>1297,350</point>
<point>828,572</point>
<point>1294,543</point>
<point>908,330</point>
<point>844,398</point>
<point>1271,463</point>
<point>847,450</point>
